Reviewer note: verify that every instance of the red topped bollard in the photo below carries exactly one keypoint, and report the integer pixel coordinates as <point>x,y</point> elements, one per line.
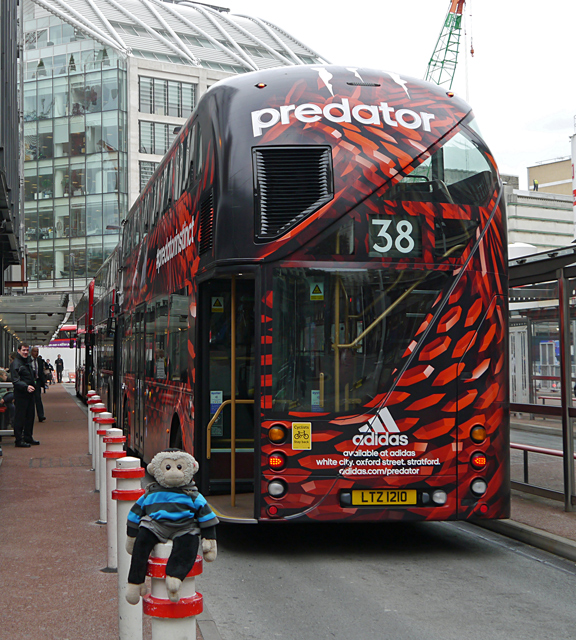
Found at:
<point>128,474</point>
<point>92,400</point>
<point>114,442</point>
<point>102,420</point>
<point>172,619</point>
<point>97,410</point>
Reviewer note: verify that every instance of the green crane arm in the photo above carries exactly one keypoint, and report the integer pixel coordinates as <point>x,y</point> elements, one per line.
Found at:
<point>442,65</point>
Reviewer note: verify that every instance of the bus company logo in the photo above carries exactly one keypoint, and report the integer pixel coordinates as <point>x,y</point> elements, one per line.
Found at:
<point>175,245</point>
<point>341,112</point>
<point>381,431</point>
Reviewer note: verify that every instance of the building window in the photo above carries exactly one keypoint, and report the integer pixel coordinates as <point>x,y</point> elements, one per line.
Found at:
<point>146,171</point>
<point>155,137</point>
<point>167,98</point>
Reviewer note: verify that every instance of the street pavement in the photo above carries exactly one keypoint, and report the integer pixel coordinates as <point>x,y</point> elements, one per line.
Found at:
<point>54,552</point>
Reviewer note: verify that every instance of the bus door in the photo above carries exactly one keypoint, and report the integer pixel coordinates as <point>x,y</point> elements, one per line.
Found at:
<point>225,394</point>
<point>139,375</point>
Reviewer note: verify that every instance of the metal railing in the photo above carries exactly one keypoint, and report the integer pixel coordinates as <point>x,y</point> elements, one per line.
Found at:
<point>525,486</point>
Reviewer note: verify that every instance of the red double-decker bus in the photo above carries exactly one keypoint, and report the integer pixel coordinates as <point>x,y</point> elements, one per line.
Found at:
<point>84,313</point>
<point>105,338</point>
<point>315,302</point>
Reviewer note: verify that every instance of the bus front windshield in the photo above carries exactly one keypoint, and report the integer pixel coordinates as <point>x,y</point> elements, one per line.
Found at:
<point>343,333</point>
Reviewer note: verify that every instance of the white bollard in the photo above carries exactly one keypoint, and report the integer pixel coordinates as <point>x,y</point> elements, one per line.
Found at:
<point>114,443</point>
<point>92,399</point>
<point>102,420</point>
<point>128,474</point>
<point>172,620</point>
<point>96,410</point>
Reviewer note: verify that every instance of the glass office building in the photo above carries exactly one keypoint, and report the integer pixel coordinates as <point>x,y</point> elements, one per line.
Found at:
<point>104,87</point>
<point>75,156</point>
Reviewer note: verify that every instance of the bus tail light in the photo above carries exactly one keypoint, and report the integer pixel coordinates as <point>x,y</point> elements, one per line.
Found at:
<point>478,487</point>
<point>277,433</point>
<point>277,460</point>
<point>478,460</point>
<point>277,488</point>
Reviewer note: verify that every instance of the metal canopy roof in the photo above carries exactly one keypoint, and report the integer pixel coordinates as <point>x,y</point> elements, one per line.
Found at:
<point>35,318</point>
<point>200,35</point>
<point>541,267</point>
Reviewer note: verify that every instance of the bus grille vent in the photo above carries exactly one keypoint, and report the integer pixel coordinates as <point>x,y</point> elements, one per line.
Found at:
<point>206,223</point>
<point>291,183</point>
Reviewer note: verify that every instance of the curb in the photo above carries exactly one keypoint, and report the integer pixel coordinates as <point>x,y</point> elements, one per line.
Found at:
<point>207,626</point>
<point>536,537</point>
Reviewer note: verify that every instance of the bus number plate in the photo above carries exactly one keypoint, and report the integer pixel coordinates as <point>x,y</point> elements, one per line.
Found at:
<point>377,497</point>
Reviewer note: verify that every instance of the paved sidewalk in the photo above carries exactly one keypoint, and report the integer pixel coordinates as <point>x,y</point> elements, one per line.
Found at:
<point>53,552</point>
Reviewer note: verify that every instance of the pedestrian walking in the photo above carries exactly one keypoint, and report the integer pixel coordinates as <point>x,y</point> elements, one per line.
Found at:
<point>49,371</point>
<point>59,368</point>
<point>24,389</point>
<point>39,381</point>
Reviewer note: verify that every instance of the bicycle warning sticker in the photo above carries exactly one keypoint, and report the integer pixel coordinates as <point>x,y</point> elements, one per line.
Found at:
<point>301,435</point>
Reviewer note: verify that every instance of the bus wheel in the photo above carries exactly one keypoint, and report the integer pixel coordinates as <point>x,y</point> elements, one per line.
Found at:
<point>175,435</point>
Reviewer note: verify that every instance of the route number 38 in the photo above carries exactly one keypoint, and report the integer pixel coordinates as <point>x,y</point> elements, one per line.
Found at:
<point>394,237</point>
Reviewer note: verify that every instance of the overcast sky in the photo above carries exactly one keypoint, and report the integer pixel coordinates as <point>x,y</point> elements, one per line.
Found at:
<point>520,83</point>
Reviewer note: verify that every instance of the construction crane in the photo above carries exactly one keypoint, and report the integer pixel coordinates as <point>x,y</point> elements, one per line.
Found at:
<point>442,65</point>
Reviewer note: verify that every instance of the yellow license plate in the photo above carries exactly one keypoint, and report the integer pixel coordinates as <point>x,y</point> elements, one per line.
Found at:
<point>386,497</point>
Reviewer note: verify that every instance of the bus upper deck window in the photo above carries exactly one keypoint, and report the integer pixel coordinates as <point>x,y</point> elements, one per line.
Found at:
<point>460,173</point>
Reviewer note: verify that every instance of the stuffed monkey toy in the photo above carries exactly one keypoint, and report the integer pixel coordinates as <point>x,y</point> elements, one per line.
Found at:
<point>171,509</point>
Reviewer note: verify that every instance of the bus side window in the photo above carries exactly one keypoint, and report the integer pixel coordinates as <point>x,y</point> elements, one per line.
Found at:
<point>167,181</point>
<point>177,173</point>
<point>188,159</point>
<point>127,239</point>
<point>178,337</point>
<point>160,336</point>
<point>198,154</point>
<point>150,314</point>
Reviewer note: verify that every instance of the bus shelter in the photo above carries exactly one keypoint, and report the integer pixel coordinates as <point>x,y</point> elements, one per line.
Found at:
<point>542,296</point>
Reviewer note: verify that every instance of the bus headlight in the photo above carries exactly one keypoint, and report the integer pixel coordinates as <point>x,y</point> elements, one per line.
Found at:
<point>277,488</point>
<point>439,497</point>
<point>478,487</point>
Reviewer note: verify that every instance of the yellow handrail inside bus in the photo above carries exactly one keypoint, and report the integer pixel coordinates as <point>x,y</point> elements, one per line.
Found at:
<point>213,420</point>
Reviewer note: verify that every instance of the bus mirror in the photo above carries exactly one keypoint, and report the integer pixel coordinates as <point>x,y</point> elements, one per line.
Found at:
<point>71,343</point>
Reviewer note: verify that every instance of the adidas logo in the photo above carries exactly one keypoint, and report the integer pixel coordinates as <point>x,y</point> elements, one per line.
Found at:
<point>381,430</point>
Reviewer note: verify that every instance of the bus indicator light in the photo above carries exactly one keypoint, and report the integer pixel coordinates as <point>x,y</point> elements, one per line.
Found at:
<point>483,509</point>
<point>260,85</point>
<point>277,433</point>
<point>277,460</point>
<point>478,434</point>
<point>272,510</point>
<point>478,460</point>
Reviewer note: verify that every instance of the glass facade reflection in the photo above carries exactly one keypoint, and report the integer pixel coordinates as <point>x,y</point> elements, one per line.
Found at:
<point>75,155</point>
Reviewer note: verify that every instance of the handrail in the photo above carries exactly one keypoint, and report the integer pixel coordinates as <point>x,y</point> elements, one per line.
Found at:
<point>532,449</point>
<point>534,489</point>
<point>213,420</point>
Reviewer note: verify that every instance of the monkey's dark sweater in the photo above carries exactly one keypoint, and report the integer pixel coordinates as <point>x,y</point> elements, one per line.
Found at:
<point>172,512</point>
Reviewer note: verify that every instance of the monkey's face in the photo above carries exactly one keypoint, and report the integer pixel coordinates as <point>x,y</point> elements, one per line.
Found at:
<point>173,472</point>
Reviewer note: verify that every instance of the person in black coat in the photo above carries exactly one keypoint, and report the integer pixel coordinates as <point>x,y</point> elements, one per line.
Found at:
<point>38,365</point>
<point>24,389</point>
<point>59,368</point>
